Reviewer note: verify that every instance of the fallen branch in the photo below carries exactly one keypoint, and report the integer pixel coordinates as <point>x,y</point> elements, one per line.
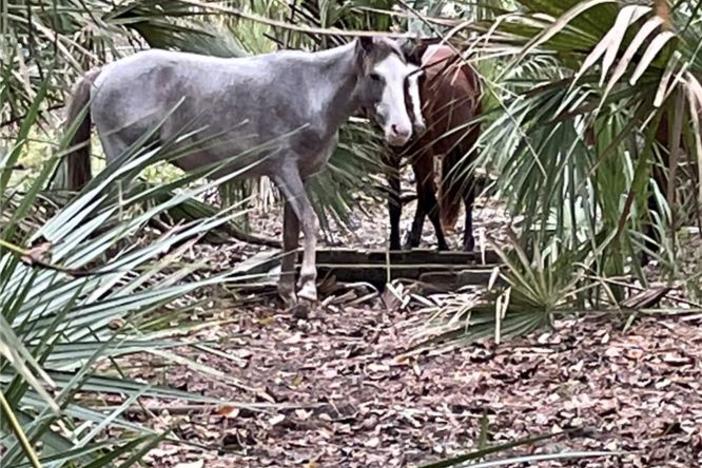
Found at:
<point>250,238</point>
<point>641,289</point>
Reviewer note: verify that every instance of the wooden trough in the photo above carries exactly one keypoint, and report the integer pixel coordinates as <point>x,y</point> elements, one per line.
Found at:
<point>442,270</point>
<point>438,270</point>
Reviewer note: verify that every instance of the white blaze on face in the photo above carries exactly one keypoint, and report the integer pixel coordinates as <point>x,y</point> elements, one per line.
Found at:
<point>415,99</point>
<point>392,109</point>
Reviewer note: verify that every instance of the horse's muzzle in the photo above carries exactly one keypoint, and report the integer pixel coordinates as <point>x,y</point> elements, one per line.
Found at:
<point>398,137</point>
<point>419,128</point>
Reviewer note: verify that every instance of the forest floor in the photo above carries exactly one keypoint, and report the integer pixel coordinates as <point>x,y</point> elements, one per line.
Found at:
<point>345,390</point>
<point>356,399</point>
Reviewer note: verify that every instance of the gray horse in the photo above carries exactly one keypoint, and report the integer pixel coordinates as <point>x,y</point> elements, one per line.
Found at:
<point>297,100</point>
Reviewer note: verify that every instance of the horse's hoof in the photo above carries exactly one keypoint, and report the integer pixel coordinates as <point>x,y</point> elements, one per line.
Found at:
<point>308,292</point>
<point>300,310</point>
<point>469,245</point>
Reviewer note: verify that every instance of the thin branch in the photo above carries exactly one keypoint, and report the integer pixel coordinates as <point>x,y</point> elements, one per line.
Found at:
<point>292,27</point>
<point>19,118</point>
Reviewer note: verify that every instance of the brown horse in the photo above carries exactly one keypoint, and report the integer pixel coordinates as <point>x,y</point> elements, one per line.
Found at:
<point>450,96</point>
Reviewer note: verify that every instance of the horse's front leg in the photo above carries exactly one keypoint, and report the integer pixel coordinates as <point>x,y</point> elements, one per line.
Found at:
<point>419,169</point>
<point>431,208</point>
<point>415,234</point>
<point>291,237</point>
<point>394,200</point>
<point>290,183</point>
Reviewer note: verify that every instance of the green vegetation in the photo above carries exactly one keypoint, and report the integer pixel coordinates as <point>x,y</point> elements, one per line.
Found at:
<point>593,116</point>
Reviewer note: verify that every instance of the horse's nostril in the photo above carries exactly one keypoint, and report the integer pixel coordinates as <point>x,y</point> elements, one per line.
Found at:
<point>399,131</point>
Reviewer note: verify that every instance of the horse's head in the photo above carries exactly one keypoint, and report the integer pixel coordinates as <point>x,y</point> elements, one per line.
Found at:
<point>387,78</point>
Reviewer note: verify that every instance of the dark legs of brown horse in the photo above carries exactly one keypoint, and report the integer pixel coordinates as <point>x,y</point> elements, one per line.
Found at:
<point>468,186</point>
<point>468,200</point>
<point>427,204</point>
<point>420,213</point>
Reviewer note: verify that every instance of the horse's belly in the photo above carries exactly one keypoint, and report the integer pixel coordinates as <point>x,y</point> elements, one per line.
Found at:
<point>217,159</point>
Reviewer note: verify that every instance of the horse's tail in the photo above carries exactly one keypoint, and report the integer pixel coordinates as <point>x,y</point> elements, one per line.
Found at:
<point>78,159</point>
<point>451,188</point>
<point>456,178</point>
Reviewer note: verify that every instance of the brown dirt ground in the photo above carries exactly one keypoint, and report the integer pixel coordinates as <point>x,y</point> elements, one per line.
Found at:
<point>356,399</point>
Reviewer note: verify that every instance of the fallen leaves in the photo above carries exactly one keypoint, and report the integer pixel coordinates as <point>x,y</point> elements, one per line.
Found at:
<point>228,411</point>
<point>637,391</point>
<point>359,396</point>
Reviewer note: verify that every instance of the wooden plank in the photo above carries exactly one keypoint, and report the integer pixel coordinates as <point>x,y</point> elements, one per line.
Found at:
<point>445,270</point>
<point>403,257</point>
<point>378,276</point>
<point>453,280</point>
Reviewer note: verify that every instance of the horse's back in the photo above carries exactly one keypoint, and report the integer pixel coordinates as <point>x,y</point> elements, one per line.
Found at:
<point>443,61</point>
<point>153,79</point>
<point>451,94</point>
<point>236,99</point>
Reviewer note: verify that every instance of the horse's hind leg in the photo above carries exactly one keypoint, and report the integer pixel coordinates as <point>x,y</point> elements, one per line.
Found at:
<point>290,183</point>
<point>113,145</point>
<point>469,187</point>
<point>426,202</point>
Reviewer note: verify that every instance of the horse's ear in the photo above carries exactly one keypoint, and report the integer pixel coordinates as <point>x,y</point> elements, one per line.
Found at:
<point>366,43</point>
<point>413,50</point>
<point>406,45</point>
<point>418,52</point>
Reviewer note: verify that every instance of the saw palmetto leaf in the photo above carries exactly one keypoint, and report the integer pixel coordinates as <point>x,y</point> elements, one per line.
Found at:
<point>65,285</point>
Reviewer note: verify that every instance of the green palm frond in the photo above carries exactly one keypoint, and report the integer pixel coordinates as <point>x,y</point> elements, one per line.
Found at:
<point>584,105</point>
<point>601,49</point>
<point>76,290</point>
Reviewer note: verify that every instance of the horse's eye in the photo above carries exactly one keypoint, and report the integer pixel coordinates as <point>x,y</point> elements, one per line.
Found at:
<point>375,77</point>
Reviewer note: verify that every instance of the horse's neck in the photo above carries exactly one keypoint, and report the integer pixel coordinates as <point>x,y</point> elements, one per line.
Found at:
<point>338,75</point>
